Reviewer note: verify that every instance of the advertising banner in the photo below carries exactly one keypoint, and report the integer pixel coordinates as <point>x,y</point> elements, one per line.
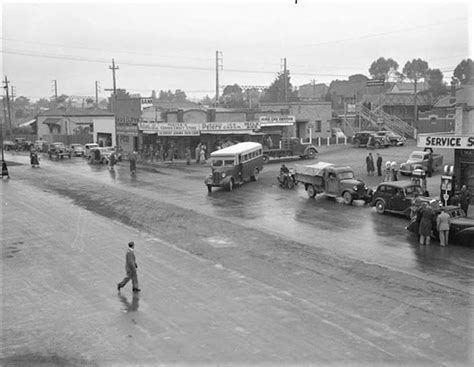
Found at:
<point>446,141</point>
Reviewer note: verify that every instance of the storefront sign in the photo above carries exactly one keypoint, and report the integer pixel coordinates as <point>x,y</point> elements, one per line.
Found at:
<point>229,126</point>
<point>126,123</point>
<point>446,141</point>
<point>169,129</point>
<point>277,120</point>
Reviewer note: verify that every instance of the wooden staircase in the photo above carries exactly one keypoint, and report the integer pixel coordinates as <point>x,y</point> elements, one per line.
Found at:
<point>379,118</point>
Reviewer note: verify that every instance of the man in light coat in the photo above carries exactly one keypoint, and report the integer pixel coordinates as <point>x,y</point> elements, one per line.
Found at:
<point>130,268</point>
<point>442,223</point>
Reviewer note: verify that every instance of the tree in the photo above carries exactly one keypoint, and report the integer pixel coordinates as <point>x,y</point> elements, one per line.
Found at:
<point>179,96</point>
<point>415,70</point>
<point>153,95</point>
<point>464,71</point>
<point>232,97</point>
<point>358,78</point>
<point>383,68</point>
<point>437,87</point>
<point>276,91</point>
<point>207,101</point>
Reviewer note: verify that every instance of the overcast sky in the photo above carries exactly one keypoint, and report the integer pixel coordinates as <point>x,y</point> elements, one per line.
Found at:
<point>172,44</point>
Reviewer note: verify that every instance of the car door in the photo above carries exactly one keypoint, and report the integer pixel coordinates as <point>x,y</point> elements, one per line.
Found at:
<point>400,202</point>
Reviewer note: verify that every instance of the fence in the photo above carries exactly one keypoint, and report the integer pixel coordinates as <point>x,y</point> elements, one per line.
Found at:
<point>319,141</point>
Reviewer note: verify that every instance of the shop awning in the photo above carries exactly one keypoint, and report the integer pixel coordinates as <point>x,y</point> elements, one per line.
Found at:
<point>229,132</point>
<point>149,132</point>
<point>52,121</point>
<point>27,123</point>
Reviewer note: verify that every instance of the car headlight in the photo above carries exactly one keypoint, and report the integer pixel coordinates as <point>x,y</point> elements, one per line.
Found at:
<point>223,174</point>
<point>355,188</point>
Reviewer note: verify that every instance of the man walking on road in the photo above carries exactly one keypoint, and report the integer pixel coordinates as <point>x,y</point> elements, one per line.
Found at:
<point>130,268</point>
<point>379,165</point>
<point>369,161</point>
<point>465,199</point>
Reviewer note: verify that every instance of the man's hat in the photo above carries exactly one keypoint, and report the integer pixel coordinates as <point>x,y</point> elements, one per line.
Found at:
<point>131,244</point>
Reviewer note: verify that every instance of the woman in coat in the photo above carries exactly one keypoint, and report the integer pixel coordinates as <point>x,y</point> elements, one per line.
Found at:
<point>426,224</point>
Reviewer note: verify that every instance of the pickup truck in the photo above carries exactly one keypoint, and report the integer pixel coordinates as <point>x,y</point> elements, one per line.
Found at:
<point>333,181</point>
<point>419,160</point>
<point>290,147</point>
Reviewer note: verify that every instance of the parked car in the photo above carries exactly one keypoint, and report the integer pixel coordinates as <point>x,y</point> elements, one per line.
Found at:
<point>337,132</point>
<point>101,154</point>
<point>59,151</point>
<point>333,181</point>
<point>88,147</point>
<point>41,146</point>
<point>361,139</point>
<point>9,145</point>
<point>419,160</point>
<point>394,138</point>
<point>396,197</point>
<point>21,144</point>
<point>461,230</point>
<point>78,150</point>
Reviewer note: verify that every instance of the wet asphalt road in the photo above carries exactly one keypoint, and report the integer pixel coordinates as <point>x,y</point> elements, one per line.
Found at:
<point>331,230</point>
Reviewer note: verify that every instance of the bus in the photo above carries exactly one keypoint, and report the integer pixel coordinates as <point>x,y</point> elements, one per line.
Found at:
<point>235,165</point>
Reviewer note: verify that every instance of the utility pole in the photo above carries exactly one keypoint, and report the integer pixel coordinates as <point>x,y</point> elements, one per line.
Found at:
<point>97,86</point>
<point>8,104</point>
<point>415,107</point>
<point>285,81</point>
<point>219,66</point>
<point>55,88</point>
<point>113,68</point>
<point>314,88</point>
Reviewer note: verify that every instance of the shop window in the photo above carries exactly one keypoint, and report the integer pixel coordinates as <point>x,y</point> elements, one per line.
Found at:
<point>433,120</point>
<point>318,126</point>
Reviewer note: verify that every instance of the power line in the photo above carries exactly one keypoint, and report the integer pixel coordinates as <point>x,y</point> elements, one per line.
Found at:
<point>385,33</point>
<point>110,51</point>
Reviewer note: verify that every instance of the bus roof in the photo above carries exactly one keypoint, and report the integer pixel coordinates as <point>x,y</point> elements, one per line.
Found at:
<point>240,148</point>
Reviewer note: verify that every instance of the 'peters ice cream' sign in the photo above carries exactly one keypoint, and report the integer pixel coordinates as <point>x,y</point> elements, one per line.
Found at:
<point>446,141</point>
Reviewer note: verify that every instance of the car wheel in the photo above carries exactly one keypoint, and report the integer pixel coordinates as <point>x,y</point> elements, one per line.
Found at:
<point>380,206</point>
<point>230,186</point>
<point>256,174</point>
<point>265,159</point>
<point>311,191</point>
<point>57,156</point>
<point>357,143</point>
<point>377,145</point>
<point>347,196</point>
<point>104,160</point>
<point>290,183</point>
<point>311,154</point>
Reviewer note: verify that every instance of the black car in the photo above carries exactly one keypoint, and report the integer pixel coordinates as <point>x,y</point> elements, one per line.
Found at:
<point>393,138</point>
<point>369,139</point>
<point>396,197</point>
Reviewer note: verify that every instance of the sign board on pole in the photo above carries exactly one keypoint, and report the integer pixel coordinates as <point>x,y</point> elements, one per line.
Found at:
<point>375,83</point>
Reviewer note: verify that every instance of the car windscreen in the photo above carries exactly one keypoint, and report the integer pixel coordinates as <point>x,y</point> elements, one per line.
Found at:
<point>345,175</point>
<point>222,162</point>
<point>417,157</point>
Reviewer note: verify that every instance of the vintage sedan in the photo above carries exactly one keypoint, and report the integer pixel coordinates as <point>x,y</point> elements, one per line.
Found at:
<point>396,197</point>
<point>78,150</point>
<point>393,138</point>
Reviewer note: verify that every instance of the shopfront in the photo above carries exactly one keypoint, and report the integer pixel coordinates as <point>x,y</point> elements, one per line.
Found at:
<point>169,138</point>
<point>463,146</point>
<point>274,127</point>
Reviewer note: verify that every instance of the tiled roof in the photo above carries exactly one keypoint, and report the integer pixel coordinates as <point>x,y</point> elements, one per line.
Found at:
<point>398,99</point>
<point>409,87</point>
